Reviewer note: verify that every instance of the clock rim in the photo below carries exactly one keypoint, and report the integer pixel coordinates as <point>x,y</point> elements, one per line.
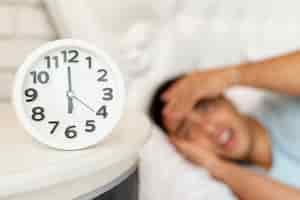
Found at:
<point>17,96</point>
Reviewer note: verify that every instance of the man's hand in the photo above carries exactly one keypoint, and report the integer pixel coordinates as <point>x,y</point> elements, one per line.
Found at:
<point>192,150</point>
<point>185,93</point>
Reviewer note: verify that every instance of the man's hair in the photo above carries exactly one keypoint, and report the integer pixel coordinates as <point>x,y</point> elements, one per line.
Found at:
<point>157,104</point>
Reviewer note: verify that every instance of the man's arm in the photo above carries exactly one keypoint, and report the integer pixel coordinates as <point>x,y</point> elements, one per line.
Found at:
<point>248,185</point>
<point>280,74</point>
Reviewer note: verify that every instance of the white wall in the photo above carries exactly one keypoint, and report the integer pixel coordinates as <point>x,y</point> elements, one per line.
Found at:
<point>24,25</point>
<point>213,32</point>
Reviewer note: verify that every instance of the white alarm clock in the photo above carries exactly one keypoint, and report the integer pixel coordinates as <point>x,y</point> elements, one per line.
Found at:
<point>68,94</point>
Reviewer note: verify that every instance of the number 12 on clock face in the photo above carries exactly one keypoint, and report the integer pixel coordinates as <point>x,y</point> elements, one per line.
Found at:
<point>72,94</point>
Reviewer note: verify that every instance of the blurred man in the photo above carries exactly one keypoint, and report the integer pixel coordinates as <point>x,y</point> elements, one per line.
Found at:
<point>209,131</point>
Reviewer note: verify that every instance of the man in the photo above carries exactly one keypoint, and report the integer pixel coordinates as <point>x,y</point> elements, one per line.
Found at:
<point>214,136</point>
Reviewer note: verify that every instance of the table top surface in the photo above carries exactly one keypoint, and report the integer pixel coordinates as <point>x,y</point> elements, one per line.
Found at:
<point>27,164</point>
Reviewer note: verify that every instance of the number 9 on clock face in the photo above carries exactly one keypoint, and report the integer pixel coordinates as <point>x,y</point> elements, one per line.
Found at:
<point>68,94</point>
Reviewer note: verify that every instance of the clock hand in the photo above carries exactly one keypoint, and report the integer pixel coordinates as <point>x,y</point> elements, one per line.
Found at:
<point>70,105</point>
<point>70,93</point>
<point>83,103</point>
<point>69,80</point>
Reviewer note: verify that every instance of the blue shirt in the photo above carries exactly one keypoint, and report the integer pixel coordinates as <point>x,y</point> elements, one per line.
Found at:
<point>281,117</point>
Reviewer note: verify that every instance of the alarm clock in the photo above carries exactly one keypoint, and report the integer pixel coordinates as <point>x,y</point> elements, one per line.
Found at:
<point>68,94</point>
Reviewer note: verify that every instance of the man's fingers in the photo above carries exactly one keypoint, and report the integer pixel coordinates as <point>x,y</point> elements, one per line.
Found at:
<point>181,104</point>
<point>171,123</point>
<point>180,144</point>
<point>176,121</point>
<point>171,91</point>
<point>184,104</point>
<point>166,96</point>
<point>169,108</point>
<point>174,118</point>
<point>188,149</point>
<point>179,124</point>
<point>175,89</point>
<point>178,107</point>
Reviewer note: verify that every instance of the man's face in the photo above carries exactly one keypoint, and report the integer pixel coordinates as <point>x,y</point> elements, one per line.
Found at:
<point>218,126</point>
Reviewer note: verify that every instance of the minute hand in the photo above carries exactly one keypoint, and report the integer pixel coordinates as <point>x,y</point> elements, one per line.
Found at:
<point>69,92</point>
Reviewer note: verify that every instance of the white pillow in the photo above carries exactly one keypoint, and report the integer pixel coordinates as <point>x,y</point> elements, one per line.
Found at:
<point>164,174</point>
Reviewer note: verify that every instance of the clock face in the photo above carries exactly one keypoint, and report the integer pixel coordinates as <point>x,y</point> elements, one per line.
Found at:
<point>69,95</point>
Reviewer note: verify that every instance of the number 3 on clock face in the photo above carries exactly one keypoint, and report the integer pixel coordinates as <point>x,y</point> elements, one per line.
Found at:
<point>68,94</point>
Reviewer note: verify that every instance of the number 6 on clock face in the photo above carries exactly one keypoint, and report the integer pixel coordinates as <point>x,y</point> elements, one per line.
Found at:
<point>68,94</point>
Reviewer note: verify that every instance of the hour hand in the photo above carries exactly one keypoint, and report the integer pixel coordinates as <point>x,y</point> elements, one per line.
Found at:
<point>83,103</point>
<point>70,103</point>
